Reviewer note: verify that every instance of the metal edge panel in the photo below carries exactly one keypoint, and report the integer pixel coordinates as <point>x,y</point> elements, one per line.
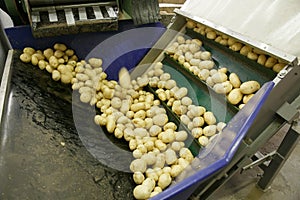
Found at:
<point>244,39</point>
<point>5,85</point>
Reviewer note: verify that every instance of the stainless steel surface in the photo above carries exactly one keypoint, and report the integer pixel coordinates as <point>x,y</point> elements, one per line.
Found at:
<point>270,50</point>
<point>4,87</point>
<point>276,23</point>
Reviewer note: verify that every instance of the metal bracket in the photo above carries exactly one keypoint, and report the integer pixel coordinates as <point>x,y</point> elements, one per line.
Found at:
<point>288,111</point>
<point>262,159</point>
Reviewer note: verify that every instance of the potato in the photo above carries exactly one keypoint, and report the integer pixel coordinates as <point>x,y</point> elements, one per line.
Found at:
<point>190,24</point>
<point>249,87</point>
<point>34,60</point>
<point>59,53</point>
<point>29,50</point>
<point>222,88</point>
<point>59,46</point>
<point>241,106</point>
<point>211,35</point>
<point>235,96</point>
<point>224,42</point>
<point>55,75</point>
<point>42,64</point>
<point>195,62</point>
<point>252,56</point>
<point>234,80</point>
<point>231,41</point>
<point>95,62</point>
<point>219,77</point>
<point>49,68</point>
<point>69,52</point>
<point>277,67</point>
<point>205,55</point>
<point>48,53</point>
<point>66,78</point>
<point>53,61</point>
<point>270,62</point>
<point>258,51</point>
<point>39,56</point>
<point>245,50</point>
<point>236,46</point>
<point>261,59</point>
<point>247,97</point>
<point>209,118</point>
<point>206,64</point>
<point>218,39</point>
<point>223,70</point>
<point>25,57</point>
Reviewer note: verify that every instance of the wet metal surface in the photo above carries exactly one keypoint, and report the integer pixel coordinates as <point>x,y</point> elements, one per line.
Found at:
<point>41,154</point>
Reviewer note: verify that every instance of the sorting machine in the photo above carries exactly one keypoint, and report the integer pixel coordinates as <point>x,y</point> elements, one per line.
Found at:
<point>32,104</point>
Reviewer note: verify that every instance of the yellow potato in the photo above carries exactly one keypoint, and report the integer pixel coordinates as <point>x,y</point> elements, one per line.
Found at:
<point>209,118</point>
<point>236,46</point>
<point>69,52</point>
<point>48,53</point>
<point>42,64</point>
<point>53,61</point>
<point>222,88</point>
<point>277,67</point>
<point>39,56</point>
<point>271,61</point>
<point>219,77</point>
<point>34,60</point>
<point>190,24</point>
<point>66,78</point>
<point>218,39</point>
<point>25,57</point>
<point>55,75</point>
<point>59,53</point>
<point>261,59</point>
<point>249,87</point>
<point>231,41</point>
<point>29,50</point>
<point>59,46</point>
<point>211,35</point>
<point>234,80</point>
<point>224,42</point>
<point>251,55</point>
<point>235,96</point>
<point>247,97</point>
<point>241,106</point>
<point>245,50</point>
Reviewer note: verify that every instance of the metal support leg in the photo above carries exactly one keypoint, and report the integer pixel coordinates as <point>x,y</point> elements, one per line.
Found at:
<point>279,158</point>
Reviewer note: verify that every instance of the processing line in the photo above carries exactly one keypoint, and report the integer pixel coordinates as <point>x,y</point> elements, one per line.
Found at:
<point>50,143</point>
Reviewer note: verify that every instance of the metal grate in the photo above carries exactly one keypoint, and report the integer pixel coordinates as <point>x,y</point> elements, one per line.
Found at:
<point>57,20</point>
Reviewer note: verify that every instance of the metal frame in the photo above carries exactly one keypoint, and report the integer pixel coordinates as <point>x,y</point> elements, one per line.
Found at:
<point>275,113</point>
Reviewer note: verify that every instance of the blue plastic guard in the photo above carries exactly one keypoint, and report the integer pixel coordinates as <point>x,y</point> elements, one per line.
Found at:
<point>222,148</point>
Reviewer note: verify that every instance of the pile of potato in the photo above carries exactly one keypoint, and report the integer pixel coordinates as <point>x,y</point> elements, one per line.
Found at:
<point>59,61</point>
<point>189,54</point>
<point>252,53</point>
<point>133,114</point>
